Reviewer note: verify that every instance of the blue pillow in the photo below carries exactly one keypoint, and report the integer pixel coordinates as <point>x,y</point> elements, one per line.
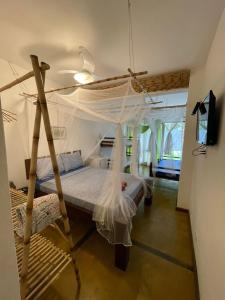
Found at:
<point>44,167</point>
<point>72,161</point>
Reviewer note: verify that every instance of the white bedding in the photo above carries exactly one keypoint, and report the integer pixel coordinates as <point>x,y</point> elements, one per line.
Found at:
<point>82,187</point>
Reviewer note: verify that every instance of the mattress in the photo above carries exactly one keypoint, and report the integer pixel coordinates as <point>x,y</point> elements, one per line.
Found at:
<point>83,186</point>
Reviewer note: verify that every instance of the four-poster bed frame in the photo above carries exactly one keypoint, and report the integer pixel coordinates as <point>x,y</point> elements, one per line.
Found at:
<point>122,253</point>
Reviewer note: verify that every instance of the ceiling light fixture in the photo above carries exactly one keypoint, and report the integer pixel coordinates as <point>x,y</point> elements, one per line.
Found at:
<point>83,77</point>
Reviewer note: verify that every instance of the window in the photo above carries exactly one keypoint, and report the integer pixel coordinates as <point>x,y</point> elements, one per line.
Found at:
<point>144,143</point>
<point>172,140</point>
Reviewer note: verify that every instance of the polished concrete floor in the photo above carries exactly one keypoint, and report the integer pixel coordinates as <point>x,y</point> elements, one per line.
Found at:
<point>161,263</point>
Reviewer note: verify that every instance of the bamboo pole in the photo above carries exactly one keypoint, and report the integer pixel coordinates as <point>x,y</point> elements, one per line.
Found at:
<point>170,106</point>
<point>90,83</point>
<point>36,251</point>
<point>44,111</point>
<point>48,281</point>
<point>22,78</point>
<point>30,198</point>
<point>137,81</point>
<point>45,265</point>
<point>146,106</point>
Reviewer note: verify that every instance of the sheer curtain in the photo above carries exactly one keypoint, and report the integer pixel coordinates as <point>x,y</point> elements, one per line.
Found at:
<point>169,142</point>
<point>145,145</point>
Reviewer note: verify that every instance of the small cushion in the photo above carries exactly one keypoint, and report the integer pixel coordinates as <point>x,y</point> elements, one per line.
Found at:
<point>44,167</point>
<point>72,161</point>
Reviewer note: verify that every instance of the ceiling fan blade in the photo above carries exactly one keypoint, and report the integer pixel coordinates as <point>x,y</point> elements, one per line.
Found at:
<point>88,60</point>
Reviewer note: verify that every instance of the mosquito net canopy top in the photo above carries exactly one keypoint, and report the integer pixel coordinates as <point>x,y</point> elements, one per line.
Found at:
<point>114,105</point>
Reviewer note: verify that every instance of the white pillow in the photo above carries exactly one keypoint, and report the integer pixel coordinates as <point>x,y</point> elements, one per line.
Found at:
<point>44,167</point>
<point>72,161</point>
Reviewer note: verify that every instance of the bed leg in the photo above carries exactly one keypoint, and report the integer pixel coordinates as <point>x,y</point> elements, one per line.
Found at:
<point>122,255</point>
<point>148,201</point>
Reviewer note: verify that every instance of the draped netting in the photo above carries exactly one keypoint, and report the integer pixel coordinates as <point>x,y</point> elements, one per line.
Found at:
<point>112,109</point>
<point>115,106</point>
<point>109,109</point>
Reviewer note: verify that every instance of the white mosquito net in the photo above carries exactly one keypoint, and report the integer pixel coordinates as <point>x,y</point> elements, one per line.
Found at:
<point>115,107</point>
<point>112,108</point>
<point>114,208</point>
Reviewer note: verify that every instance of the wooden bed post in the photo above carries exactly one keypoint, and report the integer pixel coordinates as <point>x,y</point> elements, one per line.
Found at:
<point>29,208</point>
<point>44,111</point>
<point>121,255</point>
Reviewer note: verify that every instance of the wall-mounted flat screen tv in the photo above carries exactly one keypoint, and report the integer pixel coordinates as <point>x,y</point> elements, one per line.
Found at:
<point>206,120</point>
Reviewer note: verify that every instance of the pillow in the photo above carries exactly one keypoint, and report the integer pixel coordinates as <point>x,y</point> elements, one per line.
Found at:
<point>60,163</point>
<point>72,161</point>
<point>44,167</point>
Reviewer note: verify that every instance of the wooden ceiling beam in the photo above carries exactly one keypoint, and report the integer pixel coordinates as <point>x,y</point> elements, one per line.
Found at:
<point>164,82</point>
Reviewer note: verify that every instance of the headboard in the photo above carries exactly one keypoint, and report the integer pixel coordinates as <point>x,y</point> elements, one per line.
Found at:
<point>27,161</point>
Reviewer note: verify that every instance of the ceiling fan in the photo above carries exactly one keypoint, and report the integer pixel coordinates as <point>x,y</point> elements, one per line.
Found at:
<point>86,74</point>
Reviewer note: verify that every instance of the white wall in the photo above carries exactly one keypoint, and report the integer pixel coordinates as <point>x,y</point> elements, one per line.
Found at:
<point>202,186</point>
<point>9,279</point>
<point>194,94</point>
<point>19,134</point>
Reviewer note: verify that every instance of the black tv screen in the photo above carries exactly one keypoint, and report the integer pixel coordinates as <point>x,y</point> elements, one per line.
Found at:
<point>206,116</point>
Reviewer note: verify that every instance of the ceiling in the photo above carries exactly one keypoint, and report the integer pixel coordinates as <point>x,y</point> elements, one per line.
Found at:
<point>168,35</point>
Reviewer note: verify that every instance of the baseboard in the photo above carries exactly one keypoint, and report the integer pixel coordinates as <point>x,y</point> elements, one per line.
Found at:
<point>197,294</point>
<point>182,209</point>
<point>195,271</point>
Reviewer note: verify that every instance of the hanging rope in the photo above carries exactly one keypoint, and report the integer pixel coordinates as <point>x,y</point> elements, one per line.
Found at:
<point>131,53</point>
<point>22,85</point>
<point>130,39</point>
<point>7,115</point>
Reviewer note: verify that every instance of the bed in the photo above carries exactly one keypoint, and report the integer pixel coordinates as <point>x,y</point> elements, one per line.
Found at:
<point>80,199</point>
